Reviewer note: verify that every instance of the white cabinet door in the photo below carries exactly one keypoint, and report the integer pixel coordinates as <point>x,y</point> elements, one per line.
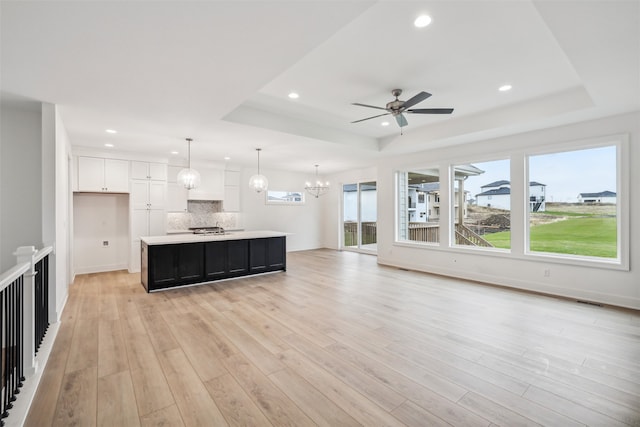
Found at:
<point>147,194</point>
<point>139,198</point>
<point>157,194</point>
<point>157,171</point>
<point>147,222</point>
<point>146,170</point>
<point>139,170</point>
<point>90,174</point>
<point>139,223</point>
<point>211,186</point>
<point>176,197</point>
<point>157,221</point>
<point>116,176</point>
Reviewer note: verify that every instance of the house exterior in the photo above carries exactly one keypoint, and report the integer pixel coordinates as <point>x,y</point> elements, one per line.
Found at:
<point>425,203</point>
<point>498,195</point>
<point>601,197</point>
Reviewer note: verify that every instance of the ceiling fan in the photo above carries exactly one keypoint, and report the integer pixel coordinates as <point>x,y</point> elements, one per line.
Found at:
<point>398,107</point>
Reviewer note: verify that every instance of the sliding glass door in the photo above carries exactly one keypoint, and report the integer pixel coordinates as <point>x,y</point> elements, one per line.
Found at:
<point>359,216</point>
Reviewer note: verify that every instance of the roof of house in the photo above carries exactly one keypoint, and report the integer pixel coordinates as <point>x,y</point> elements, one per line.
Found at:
<point>505,182</point>
<point>606,193</point>
<point>497,184</point>
<point>495,192</point>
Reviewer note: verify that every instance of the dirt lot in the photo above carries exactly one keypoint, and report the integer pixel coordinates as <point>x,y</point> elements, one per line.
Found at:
<point>489,220</point>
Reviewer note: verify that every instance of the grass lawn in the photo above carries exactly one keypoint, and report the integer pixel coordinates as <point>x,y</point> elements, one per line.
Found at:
<point>588,236</point>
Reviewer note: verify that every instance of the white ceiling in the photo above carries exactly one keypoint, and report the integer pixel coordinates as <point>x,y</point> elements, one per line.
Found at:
<point>220,72</point>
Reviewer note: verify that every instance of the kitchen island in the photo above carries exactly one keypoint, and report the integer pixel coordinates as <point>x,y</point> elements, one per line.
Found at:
<point>186,259</point>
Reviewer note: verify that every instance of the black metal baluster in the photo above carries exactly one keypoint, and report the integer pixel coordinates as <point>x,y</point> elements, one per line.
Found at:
<point>5,342</point>
<point>3,410</point>
<point>20,340</point>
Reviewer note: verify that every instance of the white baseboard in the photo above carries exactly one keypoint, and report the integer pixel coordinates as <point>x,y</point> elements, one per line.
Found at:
<point>100,268</point>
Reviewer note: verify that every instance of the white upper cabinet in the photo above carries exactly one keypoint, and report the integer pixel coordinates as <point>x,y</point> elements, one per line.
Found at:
<point>147,195</point>
<point>148,171</point>
<point>231,201</point>
<point>103,175</point>
<point>211,185</point>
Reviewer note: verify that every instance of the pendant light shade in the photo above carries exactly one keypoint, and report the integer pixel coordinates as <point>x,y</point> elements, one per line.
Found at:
<point>318,188</point>
<point>189,178</point>
<point>258,182</point>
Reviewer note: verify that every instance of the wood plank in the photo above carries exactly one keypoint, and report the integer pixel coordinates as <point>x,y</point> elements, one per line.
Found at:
<point>250,348</point>
<point>313,403</point>
<point>276,406</point>
<point>117,401</point>
<point>236,406</point>
<point>192,398</point>
<point>112,353</point>
<point>83,351</point>
<point>413,415</point>
<point>165,417</point>
<point>77,402</point>
<point>349,399</point>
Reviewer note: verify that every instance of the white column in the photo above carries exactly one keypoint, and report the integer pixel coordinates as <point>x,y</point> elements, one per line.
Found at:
<point>26,254</point>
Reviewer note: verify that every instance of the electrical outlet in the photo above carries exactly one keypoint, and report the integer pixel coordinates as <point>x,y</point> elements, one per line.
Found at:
<point>105,243</point>
<point>547,272</point>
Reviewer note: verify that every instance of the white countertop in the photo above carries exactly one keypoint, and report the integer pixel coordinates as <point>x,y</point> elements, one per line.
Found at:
<point>193,238</point>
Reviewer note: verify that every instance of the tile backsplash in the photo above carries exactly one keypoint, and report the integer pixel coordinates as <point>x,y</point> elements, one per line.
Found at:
<point>202,214</point>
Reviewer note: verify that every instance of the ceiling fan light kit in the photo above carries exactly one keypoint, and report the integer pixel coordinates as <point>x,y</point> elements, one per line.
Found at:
<point>258,182</point>
<point>189,178</point>
<point>397,108</point>
<point>318,188</point>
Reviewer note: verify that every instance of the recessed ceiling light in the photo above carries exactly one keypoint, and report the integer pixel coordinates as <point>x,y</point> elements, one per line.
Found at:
<point>227,158</point>
<point>422,21</point>
<point>504,88</point>
<point>108,145</point>
<point>175,152</point>
<point>384,123</point>
<point>294,95</point>
<point>111,131</point>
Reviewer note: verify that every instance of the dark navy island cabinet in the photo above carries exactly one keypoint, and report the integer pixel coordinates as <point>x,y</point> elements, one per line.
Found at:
<point>178,264</point>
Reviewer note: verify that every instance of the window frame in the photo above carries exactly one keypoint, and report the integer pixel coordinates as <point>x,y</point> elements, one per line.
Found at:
<point>519,177</point>
<point>621,142</point>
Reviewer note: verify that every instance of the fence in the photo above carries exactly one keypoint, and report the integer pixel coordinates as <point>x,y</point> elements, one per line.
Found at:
<point>24,319</point>
<point>369,233</point>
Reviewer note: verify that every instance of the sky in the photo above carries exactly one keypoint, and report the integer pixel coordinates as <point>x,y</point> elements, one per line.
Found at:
<point>565,174</point>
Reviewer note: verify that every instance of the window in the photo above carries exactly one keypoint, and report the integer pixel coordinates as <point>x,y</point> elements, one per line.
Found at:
<point>567,202</point>
<point>573,203</point>
<point>482,204</point>
<point>275,197</point>
<point>419,211</point>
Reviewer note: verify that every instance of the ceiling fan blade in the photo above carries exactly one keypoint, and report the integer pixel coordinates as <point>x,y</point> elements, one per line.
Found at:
<point>431,111</point>
<point>370,106</point>
<point>417,98</point>
<point>379,115</point>
<point>401,120</point>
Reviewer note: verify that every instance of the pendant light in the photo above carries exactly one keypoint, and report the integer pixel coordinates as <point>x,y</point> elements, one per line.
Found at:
<point>318,188</point>
<point>258,182</point>
<point>189,178</point>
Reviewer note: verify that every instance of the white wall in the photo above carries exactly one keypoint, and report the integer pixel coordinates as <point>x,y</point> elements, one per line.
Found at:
<point>99,218</point>
<point>304,222</point>
<point>590,282</point>
<point>20,179</point>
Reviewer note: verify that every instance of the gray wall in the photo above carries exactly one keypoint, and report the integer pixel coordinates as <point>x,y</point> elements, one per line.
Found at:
<point>20,177</point>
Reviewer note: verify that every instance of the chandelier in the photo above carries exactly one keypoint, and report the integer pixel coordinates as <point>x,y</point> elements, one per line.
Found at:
<point>258,182</point>
<point>189,178</point>
<point>318,188</point>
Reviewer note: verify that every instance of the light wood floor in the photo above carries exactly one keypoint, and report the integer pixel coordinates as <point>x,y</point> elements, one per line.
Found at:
<point>337,341</point>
